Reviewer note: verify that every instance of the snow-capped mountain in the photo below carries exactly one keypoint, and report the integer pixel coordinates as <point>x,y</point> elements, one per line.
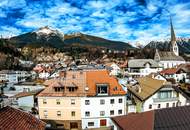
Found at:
<point>183,43</point>
<point>46,36</point>
<point>47,32</point>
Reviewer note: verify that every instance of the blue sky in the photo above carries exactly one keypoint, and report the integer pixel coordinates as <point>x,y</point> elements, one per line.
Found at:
<point>124,20</point>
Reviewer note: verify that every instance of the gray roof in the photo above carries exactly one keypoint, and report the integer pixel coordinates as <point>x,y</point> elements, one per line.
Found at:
<point>140,63</point>
<point>167,55</point>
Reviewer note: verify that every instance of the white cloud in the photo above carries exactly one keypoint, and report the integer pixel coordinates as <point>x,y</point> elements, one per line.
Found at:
<point>8,31</point>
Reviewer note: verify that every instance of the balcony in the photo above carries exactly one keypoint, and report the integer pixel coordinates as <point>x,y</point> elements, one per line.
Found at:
<point>165,99</point>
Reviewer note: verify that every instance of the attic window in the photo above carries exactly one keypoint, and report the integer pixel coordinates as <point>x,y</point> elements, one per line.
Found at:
<point>59,89</point>
<point>72,88</point>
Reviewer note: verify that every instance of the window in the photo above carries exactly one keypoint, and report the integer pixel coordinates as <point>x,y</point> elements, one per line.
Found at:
<point>159,106</point>
<point>150,106</point>
<point>120,111</point>
<point>58,102</point>
<point>87,113</point>
<point>45,113</point>
<point>173,104</point>
<point>87,102</point>
<point>58,113</point>
<point>102,113</point>
<point>112,112</point>
<point>111,101</point>
<point>72,101</point>
<point>120,100</point>
<point>44,101</point>
<point>90,123</point>
<point>165,94</point>
<point>59,89</point>
<point>167,104</point>
<point>102,89</point>
<point>73,113</point>
<point>102,101</point>
<point>71,89</point>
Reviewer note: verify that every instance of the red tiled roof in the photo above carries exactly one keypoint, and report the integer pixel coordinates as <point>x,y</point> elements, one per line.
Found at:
<point>133,121</point>
<point>15,119</point>
<point>102,77</point>
<point>82,80</point>
<point>169,71</point>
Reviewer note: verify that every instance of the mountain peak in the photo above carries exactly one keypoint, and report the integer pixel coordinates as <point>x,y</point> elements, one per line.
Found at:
<point>45,30</point>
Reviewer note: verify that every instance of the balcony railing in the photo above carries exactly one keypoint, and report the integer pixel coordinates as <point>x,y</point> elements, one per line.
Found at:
<point>165,99</point>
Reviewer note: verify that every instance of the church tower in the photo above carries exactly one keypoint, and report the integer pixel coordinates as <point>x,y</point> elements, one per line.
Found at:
<point>173,47</point>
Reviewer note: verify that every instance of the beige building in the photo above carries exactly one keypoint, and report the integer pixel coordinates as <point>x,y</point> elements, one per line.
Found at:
<point>60,102</point>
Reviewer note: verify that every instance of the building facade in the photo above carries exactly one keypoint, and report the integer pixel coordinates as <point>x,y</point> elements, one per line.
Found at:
<point>82,99</point>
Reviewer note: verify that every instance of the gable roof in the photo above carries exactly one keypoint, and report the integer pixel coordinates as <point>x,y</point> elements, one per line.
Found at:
<point>71,78</point>
<point>102,77</point>
<point>169,56</point>
<point>15,119</point>
<point>174,118</point>
<point>140,63</point>
<point>148,86</point>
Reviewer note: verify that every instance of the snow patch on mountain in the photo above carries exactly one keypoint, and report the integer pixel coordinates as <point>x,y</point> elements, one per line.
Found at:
<point>47,32</point>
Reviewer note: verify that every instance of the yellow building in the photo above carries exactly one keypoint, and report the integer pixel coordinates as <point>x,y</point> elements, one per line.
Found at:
<point>60,103</point>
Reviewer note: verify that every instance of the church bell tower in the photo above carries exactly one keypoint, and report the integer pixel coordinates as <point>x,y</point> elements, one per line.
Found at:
<point>173,47</point>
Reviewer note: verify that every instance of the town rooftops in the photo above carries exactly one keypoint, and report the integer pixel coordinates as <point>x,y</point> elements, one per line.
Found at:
<point>178,69</point>
<point>145,87</point>
<point>140,63</point>
<point>175,118</point>
<point>167,55</point>
<point>84,83</point>
<point>15,119</point>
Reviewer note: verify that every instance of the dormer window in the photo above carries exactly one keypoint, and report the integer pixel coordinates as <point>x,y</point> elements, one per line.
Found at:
<point>72,88</point>
<point>59,89</point>
<point>102,89</point>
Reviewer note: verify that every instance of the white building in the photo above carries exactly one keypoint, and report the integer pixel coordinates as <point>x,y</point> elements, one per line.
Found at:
<point>149,94</point>
<point>142,67</point>
<point>11,90</point>
<point>97,111</point>
<point>115,69</point>
<point>44,75</point>
<point>105,99</point>
<point>13,76</point>
<point>178,74</point>
<point>26,100</point>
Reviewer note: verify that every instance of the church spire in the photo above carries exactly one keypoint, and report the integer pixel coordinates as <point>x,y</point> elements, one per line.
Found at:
<point>173,38</point>
<point>173,47</point>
